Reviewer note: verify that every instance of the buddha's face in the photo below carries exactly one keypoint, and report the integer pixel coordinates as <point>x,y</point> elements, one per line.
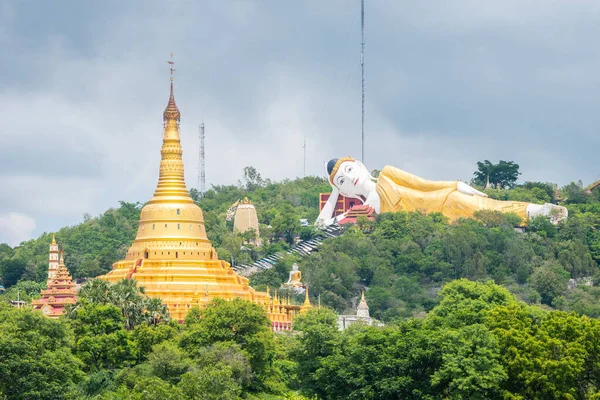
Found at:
<point>350,179</point>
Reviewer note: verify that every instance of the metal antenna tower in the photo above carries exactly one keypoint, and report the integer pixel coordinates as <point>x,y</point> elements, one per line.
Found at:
<point>362,66</point>
<point>201,165</point>
<point>304,147</point>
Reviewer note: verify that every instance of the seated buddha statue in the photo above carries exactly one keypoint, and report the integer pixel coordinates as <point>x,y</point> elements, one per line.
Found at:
<point>295,279</point>
<point>396,190</point>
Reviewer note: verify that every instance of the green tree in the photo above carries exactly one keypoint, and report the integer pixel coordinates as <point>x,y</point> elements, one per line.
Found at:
<point>152,388</point>
<point>11,271</point>
<point>550,280</point>
<point>210,383</point>
<point>318,339</point>
<point>252,179</point>
<point>574,193</point>
<point>101,341</point>
<point>501,175</point>
<point>470,366</point>
<point>232,356</point>
<point>130,298</point>
<point>23,290</point>
<point>155,311</point>
<point>235,322</point>
<point>169,362</point>
<point>35,356</point>
<point>542,226</point>
<point>484,173</point>
<point>463,303</point>
<point>286,223</point>
<point>145,337</point>
<point>546,354</point>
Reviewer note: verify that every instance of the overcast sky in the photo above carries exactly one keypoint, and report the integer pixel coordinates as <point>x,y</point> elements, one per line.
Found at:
<point>83,85</point>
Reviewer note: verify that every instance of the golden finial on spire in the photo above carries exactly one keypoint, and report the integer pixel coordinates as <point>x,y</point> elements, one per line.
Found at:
<point>172,70</point>
<point>53,239</point>
<point>171,112</point>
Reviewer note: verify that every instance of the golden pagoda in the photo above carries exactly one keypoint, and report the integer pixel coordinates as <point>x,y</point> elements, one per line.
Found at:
<point>60,288</point>
<point>171,255</point>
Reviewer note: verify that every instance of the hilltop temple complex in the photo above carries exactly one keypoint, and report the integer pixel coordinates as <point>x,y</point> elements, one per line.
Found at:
<point>60,290</point>
<point>171,255</point>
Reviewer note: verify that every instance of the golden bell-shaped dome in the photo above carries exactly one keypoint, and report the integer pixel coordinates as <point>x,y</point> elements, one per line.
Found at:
<point>171,225</point>
<point>171,255</point>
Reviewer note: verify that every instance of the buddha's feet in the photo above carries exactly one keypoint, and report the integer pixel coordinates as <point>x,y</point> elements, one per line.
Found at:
<point>551,211</point>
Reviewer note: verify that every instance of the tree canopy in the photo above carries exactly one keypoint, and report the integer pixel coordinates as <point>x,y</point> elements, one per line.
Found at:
<point>474,309</point>
<point>503,175</point>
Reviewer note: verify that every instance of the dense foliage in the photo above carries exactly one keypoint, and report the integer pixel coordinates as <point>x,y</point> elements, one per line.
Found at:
<point>402,258</point>
<point>478,342</point>
<point>446,336</point>
<point>405,258</point>
<point>502,175</point>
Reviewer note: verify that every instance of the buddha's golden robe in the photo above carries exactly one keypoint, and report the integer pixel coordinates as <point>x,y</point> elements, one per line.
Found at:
<point>400,191</point>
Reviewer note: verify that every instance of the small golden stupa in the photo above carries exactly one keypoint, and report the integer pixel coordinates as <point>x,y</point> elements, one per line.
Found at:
<point>171,255</point>
<point>60,289</point>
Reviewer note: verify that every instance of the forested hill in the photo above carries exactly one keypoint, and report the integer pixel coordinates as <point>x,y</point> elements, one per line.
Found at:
<point>403,259</point>
<point>93,245</point>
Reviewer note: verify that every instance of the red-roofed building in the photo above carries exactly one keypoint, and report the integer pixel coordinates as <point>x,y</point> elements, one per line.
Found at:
<point>359,210</point>
<point>60,289</point>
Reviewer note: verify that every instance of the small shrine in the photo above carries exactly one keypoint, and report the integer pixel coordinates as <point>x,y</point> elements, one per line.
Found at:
<point>60,288</point>
<point>362,316</point>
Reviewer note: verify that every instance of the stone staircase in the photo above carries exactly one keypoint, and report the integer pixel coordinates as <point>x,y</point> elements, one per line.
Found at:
<point>303,247</point>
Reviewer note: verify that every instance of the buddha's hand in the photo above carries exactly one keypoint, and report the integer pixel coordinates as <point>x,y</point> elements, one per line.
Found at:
<point>466,189</point>
<point>326,215</point>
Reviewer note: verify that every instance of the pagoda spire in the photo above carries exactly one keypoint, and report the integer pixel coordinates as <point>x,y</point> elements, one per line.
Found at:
<point>171,112</point>
<point>306,306</point>
<point>60,288</point>
<point>171,180</point>
<point>53,259</point>
<point>363,309</point>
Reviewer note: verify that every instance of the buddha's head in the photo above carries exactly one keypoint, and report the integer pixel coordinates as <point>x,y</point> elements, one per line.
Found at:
<point>350,176</point>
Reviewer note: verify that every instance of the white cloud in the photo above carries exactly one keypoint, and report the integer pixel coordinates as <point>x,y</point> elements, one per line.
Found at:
<point>15,228</point>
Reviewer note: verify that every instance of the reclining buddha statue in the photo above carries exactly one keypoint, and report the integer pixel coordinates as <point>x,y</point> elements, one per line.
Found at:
<point>396,190</point>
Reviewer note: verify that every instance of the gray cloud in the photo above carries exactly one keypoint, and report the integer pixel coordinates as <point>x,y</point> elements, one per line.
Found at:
<point>84,85</point>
